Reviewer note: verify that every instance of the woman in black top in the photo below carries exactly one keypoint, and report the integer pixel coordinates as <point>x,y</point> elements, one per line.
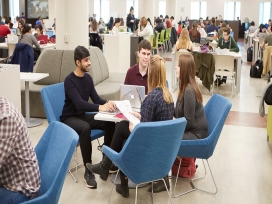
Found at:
<point>131,19</point>
<point>110,23</point>
<point>157,106</point>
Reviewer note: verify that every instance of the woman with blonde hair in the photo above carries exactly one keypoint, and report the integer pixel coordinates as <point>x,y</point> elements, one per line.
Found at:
<point>157,106</point>
<point>184,41</point>
<point>147,29</point>
<point>190,101</point>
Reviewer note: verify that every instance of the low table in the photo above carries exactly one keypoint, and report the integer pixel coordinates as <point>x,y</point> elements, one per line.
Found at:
<point>27,77</point>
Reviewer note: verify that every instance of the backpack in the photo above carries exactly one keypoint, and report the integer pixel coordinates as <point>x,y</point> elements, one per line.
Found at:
<point>187,167</point>
<point>268,96</point>
<point>256,70</point>
<point>249,54</point>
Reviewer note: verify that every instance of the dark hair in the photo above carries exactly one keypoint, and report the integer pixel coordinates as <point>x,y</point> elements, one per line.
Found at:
<point>200,18</point>
<point>172,17</point>
<point>148,19</point>
<point>22,22</point>
<point>26,28</point>
<point>111,19</point>
<point>40,27</point>
<point>213,20</point>
<point>91,19</point>
<point>161,16</point>
<point>131,9</point>
<point>117,20</point>
<point>166,17</point>
<point>226,22</point>
<point>80,53</point>
<point>261,27</point>
<point>145,44</point>
<point>7,21</point>
<point>252,23</point>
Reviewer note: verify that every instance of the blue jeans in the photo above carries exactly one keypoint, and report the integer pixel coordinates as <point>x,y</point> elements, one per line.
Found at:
<point>10,197</point>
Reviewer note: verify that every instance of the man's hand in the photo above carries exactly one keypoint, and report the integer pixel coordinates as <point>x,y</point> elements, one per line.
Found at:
<point>108,107</point>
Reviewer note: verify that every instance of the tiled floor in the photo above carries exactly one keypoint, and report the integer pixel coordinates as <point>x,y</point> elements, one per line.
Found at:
<point>241,164</point>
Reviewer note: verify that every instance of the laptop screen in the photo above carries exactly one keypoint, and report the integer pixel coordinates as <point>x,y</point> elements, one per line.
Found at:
<point>13,30</point>
<point>135,95</point>
<point>49,33</point>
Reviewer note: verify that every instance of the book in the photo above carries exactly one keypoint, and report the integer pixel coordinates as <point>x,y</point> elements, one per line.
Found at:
<point>125,108</point>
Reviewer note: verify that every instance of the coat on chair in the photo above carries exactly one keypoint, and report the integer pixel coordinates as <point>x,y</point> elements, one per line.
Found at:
<point>23,55</point>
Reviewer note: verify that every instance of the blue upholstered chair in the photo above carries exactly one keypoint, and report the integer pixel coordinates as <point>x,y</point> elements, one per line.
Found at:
<point>216,111</point>
<point>149,152</point>
<point>54,152</point>
<point>53,100</point>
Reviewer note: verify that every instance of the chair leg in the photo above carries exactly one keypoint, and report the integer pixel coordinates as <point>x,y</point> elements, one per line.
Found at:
<point>75,168</point>
<point>113,185</point>
<point>194,188</point>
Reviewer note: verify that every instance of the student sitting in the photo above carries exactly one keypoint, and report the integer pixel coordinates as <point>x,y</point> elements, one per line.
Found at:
<point>157,106</point>
<point>38,31</point>
<point>147,29</point>
<point>194,34</point>
<point>211,27</point>
<point>202,31</point>
<point>115,29</point>
<point>184,41</point>
<point>262,29</point>
<point>252,28</point>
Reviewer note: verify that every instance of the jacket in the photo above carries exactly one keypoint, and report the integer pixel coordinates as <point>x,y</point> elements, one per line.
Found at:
<point>174,36</point>
<point>267,59</point>
<point>261,105</point>
<point>205,67</point>
<point>23,55</point>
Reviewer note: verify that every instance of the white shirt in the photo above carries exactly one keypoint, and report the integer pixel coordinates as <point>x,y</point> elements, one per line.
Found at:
<point>115,30</point>
<point>146,32</point>
<point>174,24</point>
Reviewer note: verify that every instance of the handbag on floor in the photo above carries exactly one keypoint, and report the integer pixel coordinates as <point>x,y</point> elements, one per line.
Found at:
<point>187,167</point>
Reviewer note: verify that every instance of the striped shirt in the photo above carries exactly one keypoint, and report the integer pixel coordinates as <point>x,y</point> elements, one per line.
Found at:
<point>19,170</point>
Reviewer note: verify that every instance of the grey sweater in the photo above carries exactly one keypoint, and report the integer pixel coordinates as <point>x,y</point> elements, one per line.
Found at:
<point>193,111</point>
<point>30,40</point>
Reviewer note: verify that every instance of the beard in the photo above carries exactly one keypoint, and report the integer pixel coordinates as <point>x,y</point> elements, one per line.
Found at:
<point>85,68</point>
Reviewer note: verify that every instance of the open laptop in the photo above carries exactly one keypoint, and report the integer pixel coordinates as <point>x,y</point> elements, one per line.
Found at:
<point>49,33</point>
<point>43,39</point>
<point>13,39</point>
<point>262,35</point>
<point>135,95</point>
<point>13,30</point>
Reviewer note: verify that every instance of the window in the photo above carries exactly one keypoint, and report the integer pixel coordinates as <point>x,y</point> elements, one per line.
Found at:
<point>102,13</point>
<point>265,12</point>
<point>134,4</point>
<point>232,10</point>
<point>14,8</point>
<point>198,9</point>
<point>162,8</point>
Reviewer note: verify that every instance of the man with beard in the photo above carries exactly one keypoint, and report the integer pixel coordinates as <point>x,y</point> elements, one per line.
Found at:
<point>137,74</point>
<point>79,86</point>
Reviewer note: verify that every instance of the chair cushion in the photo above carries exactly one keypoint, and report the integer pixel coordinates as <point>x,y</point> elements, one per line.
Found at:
<point>108,90</point>
<point>67,64</point>
<point>49,62</point>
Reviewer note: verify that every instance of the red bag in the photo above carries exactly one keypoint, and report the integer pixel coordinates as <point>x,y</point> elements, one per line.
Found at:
<point>187,167</point>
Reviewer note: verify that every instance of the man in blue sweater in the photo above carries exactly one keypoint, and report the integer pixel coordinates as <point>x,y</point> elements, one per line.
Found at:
<point>79,87</point>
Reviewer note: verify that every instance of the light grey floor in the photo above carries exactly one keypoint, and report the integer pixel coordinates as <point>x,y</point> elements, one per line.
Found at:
<point>241,164</point>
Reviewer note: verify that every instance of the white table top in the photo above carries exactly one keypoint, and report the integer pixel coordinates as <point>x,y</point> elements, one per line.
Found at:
<point>256,39</point>
<point>45,46</point>
<point>107,117</point>
<point>32,76</point>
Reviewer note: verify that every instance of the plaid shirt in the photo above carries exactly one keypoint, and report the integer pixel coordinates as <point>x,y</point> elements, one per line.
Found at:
<point>154,107</point>
<point>19,170</point>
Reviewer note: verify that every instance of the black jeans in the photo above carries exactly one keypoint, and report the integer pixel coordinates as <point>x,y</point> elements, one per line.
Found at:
<point>83,125</point>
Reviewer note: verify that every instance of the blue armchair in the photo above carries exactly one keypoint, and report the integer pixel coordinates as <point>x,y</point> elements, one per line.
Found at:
<point>216,111</point>
<point>53,97</point>
<point>54,152</point>
<point>149,152</point>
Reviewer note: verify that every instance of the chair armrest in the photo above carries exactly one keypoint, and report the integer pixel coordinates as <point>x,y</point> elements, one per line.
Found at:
<point>110,153</point>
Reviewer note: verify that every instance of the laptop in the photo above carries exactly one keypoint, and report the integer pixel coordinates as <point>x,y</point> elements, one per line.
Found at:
<point>43,39</point>
<point>262,35</point>
<point>49,33</point>
<point>13,30</point>
<point>135,95</point>
<point>13,39</point>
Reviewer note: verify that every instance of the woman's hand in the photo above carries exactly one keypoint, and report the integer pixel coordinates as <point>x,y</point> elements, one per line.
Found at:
<point>137,115</point>
<point>131,127</point>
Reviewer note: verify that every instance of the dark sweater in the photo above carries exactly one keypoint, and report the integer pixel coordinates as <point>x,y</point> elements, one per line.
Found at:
<point>193,111</point>
<point>77,93</point>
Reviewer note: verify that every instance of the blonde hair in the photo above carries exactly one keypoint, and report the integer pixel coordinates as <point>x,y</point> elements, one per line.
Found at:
<point>157,77</point>
<point>183,40</point>
<point>143,21</point>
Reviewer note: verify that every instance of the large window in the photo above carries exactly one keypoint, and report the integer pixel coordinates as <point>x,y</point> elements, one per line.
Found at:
<point>162,8</point>
<point>134,4</point>
<point>265,12</point>
<point>14,8</point>
<point>232,10</point>
<point>102,10</point>
<point>198,9</point>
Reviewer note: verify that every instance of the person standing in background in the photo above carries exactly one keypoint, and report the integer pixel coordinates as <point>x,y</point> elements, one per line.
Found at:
<point>131,20</point>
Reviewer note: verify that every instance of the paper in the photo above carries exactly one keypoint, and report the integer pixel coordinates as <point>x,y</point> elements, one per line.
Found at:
<point>125,108</point>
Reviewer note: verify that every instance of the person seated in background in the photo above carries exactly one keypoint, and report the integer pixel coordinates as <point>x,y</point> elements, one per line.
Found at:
<point>220,24</point>
<point>226,42</point>
<point>38,31</point>
<point>269,23</point>
<point>179,28</point>
<point>115,29</point>
<point>101,24</point>
<point>110,24</point>
<point>158,105</point>
<point>202,31</point>
<point>20,175</point>
<point>220,31</point>
<point>201,22</point>
<point>20,27</point>
<point>267,41</point>
<point>189,104</point>
<point>159,26</point>
<point>228,26</point>
<point>138,74</point>
<point>262,29</point>
<point>39,21</point>
<point>184,41</point>
<point>28,38</point>
<point>147,29</point>
<point>211,27</point>
<point>186,22</point>
<point>79,87</point>
<point>94,27</point>
<point>4,29</point>
<point>252,28</point>
<point>194,34</point>
<point>207,22</point>
<point>90,24</point>
<point>10,23</point>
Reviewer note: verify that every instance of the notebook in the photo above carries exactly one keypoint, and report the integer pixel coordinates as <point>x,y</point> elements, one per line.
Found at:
<point>135,95</point>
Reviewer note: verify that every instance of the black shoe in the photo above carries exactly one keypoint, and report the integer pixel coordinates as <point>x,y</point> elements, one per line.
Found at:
<point>113,169</point>
<point>90,181</point>
<point>98,169</point>
<point>159,186</point>
<point>218,81</point>
<point>123,190</point>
